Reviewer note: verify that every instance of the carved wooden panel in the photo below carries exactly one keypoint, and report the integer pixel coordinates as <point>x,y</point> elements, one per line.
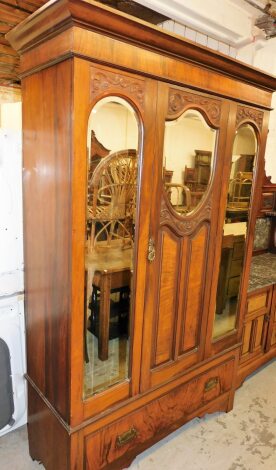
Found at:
<point>184,225</point>
<point>194,287</point>
<point>166,309</point>
<point>179,100</point>
<point>114,445</point>
<point>249,114</point>
<point>106,81</point>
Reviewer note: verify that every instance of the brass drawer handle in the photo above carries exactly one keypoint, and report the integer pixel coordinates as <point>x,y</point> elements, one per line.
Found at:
<point>126,437</point>
<point>211,383</point>
<point>151,250</point>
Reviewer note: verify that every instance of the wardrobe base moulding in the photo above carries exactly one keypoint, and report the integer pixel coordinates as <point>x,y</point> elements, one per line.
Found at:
<point>116,445</point>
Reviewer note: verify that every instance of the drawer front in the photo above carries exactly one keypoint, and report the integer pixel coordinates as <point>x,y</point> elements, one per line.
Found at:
<point>236,267</point>
<point>258,302</point>
<point>129,435</point>
<point>233,286</point>
<point>238,250</point>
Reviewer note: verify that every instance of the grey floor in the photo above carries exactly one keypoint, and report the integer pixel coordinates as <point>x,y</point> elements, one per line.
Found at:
<point>244,439</point>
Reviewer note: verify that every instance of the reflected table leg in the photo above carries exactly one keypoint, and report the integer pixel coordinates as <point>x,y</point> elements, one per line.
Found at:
<point>105,288</point>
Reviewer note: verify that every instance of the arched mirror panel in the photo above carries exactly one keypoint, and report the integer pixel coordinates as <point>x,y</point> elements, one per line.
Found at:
<point>235,230</point>
<point>112,142</point>
<point>188,158</point>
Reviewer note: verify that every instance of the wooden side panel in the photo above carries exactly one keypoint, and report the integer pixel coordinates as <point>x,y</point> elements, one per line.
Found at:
<point>47,225</point>
<point>246,338</point>
<point>167,299</point>
<point>48,441</point>
<point>273,337</point>
<point>194,291</point>
<point>259,334</point>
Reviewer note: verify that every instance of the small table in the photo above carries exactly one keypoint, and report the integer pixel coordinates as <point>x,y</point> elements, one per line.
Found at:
<point>107,269</point>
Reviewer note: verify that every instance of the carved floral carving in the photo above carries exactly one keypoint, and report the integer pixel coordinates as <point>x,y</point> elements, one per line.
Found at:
<point>178,100</point>
<point>244,113</point>
<point>188,224</point>
<point>104,80</point>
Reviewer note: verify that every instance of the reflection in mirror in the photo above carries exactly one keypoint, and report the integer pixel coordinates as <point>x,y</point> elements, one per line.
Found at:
<point>110,225</point>
<point>187,171</point>
<point>235,230</point>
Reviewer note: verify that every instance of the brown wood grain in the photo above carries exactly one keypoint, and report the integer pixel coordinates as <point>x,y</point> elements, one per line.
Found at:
<point>49,442</point>
<point>257,302</point>
<point>165,328</point>
<point>69,66</point>
<point>47,198</point>
<point>194,290</point>
<point>159,417</point>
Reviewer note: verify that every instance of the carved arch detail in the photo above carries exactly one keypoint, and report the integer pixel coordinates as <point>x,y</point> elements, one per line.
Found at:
<point>187,225</point>
<point>244,113</point>
<point>180,100</point>
<point>103,80</point>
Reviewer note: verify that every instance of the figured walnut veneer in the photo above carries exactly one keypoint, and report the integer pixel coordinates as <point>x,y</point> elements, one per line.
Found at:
<point>74,53</point>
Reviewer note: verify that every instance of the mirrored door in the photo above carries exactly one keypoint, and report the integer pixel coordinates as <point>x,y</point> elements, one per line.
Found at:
<point>181,229</point>
<point>235,230</point>
<point>113,143</point>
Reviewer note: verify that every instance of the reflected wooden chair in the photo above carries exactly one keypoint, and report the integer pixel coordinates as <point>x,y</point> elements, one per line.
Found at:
<point>179,196</point>
<point>111,217</point>
<point>112,191</point>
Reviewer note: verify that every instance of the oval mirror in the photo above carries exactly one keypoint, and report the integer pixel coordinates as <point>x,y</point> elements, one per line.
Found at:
<point>112,141</point>
<point>189,146</point>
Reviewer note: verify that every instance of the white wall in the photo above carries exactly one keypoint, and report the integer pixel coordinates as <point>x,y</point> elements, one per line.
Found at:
<point>12,329</point>
<point>182,138</point>
<point>11,236</point>
<point>115,125</point>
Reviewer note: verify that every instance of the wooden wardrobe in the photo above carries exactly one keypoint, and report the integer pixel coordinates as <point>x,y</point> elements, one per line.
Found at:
<point>139,216</point>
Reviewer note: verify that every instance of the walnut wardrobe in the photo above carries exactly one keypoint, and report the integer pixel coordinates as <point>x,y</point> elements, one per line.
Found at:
<point>143,159</point>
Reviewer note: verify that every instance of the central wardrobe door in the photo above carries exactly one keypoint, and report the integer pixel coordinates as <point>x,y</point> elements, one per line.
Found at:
<point>182,218</point>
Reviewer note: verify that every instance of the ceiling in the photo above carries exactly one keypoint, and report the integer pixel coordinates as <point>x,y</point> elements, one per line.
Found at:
<point>13,12</point>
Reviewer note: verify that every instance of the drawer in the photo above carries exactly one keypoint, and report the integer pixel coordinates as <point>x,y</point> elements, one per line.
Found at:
<point>236,267</point>
<point>233,286</point>
<point>259,302</point>
<point>133,433</point>
<point>238,250</point>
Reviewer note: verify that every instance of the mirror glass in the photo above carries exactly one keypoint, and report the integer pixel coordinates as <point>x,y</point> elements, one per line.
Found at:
<point>189,146</point>
<point>235,230</point>
<point>112,142</point>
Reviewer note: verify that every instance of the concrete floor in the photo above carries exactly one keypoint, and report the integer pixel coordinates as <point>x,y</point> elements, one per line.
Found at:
<point>244,439</point>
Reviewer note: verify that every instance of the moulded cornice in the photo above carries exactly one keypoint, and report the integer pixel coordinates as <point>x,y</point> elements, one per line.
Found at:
<point>59,15</point>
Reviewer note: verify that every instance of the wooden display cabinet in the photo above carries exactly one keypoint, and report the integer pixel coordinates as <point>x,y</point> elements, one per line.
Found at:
<point>75,57</point>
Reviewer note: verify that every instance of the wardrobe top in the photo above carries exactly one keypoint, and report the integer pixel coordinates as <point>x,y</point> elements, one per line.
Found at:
<point>60,15</point>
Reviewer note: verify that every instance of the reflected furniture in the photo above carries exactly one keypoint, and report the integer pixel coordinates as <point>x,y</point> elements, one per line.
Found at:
<point>112,191</point>
<point>180,197</point>
<point>107,273</point>
<point>197,178</point>
<point>75,53</point>
<point>231,270</point>
<point>97,152</point>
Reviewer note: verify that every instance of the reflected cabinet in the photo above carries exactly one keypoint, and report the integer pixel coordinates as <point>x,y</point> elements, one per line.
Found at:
<point>143,162</point>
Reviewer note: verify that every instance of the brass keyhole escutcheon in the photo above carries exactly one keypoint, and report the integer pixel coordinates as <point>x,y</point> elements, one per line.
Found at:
<point>151,250</point>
